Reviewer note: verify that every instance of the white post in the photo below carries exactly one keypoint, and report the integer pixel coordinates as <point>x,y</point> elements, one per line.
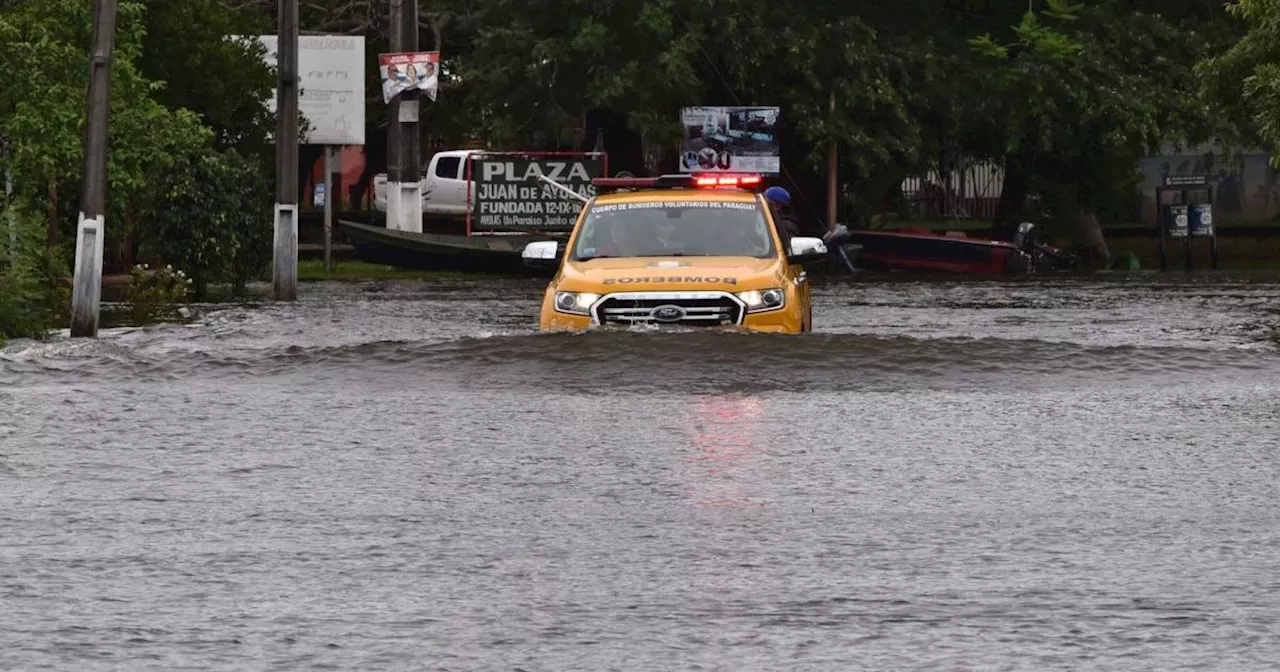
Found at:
<point>393,204</point>
<point>330,164</point>
<point>285,272</point>
<point>285,266</point>
<point>404,206</point>
<point>411,206</point>
<point>404,196</point>
<point>86,288</point>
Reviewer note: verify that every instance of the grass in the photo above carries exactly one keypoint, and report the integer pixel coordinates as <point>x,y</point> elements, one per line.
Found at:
<point>313,270</point>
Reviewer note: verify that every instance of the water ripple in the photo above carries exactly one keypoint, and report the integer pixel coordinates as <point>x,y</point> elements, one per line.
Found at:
<point>1012,475</point>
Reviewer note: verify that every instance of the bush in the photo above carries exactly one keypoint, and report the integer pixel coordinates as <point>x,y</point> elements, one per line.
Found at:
<point>31,300</point>
<point>153,294</point>
<point>212,218</point>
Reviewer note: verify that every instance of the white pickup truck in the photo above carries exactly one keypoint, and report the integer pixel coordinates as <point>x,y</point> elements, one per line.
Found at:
<point>444,184</point>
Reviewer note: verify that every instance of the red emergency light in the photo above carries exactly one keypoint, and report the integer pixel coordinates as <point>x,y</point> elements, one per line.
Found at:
<point>679,181</point>
<point>727,180</point>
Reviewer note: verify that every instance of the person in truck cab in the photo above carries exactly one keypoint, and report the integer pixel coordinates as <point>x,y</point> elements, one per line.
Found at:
<point>731,235</point>
<point>780,205</point>
<point>677,250</point>
<point>628,239</point>
<point>668,236</point>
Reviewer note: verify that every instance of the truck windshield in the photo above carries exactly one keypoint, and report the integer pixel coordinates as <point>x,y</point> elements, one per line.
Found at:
<point>674,228</point>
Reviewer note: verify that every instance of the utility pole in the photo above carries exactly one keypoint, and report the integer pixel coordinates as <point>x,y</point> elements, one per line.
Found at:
<point>5,211</point>
<point>332,199</point>
<point>86,291</point>
<point>831,171</point>
<point>404,145</point>
<point>285,271</point>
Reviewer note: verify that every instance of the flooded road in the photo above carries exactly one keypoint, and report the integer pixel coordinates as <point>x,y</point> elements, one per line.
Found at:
<point>403,475</point>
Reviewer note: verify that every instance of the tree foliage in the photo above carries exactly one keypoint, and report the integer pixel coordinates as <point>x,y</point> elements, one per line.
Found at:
<point>213,220</point>
<point>179,91</point>
<point>1069,96</point>
<point>31,301</point>
<point>186,53</point>
<point>1244,81</point>
<point>1081,94</point>
<point>42,108</point>
<point>1066,97</point>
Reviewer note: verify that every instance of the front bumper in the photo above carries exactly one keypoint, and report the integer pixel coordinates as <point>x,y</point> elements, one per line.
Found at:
<point>769,323</point>
<point>788,319</point>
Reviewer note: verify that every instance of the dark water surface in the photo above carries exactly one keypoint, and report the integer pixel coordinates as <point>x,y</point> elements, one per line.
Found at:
<point>403,475</point>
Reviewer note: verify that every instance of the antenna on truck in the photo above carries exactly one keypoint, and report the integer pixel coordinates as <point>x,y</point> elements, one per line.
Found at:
<point>563,189</point>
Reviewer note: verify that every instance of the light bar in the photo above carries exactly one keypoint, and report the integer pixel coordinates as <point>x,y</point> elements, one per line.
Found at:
<point>728,180</point>
<point>678,181</point>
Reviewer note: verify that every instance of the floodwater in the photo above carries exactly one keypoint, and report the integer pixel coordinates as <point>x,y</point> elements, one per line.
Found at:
<point>403,475</point>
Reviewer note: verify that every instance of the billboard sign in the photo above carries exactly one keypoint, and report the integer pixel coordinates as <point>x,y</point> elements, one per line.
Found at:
<point>730,139</point>
<point>330,86</point>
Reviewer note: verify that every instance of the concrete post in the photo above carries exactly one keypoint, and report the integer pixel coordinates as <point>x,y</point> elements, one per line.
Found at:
<point>86,290</point>
<point>330,169</point>
<point>285,268</point>
<point>404,169</point>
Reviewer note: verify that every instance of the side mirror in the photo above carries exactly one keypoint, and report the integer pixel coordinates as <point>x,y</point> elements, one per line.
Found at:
<point>541,254</point>
<point>806,250</point>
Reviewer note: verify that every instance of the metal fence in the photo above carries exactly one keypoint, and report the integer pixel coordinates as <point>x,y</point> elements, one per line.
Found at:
<point>970,191</point>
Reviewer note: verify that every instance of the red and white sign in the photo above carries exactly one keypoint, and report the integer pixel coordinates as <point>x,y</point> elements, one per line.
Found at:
<point>403,71</point>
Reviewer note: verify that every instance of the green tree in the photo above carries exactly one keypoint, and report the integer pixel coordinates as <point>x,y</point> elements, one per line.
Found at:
<point>1243,82</point>
<point>185,51</point>
<point>31,301</point>
<point>213,220</point>
<point>1082,93</point>
<point>42,110</point>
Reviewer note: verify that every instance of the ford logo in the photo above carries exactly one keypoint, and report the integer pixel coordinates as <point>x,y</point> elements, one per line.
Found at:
<point>667,313</point>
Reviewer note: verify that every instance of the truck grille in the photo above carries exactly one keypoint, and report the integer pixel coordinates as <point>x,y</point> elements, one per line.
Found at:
<point>694,311</point>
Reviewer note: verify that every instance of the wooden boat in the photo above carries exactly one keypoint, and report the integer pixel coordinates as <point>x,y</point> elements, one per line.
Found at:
<point>926,251</point>
<point>441,251</point>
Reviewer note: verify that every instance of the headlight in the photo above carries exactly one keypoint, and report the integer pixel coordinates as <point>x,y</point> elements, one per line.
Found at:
<point>575,303</point>
<point>760,300</point>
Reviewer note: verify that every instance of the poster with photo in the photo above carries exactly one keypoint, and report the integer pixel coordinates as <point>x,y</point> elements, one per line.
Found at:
<point>403,71</point>
<point>730,139</point>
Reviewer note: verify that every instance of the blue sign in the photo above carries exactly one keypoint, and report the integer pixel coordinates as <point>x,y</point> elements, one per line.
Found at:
<point>1201,219</point>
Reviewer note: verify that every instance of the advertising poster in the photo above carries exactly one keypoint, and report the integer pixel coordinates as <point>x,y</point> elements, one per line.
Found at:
<point>1176,220</point>
<point>331,78</point>
<point>509,196</point>
<point>730,139</point>
<point>403,71</point>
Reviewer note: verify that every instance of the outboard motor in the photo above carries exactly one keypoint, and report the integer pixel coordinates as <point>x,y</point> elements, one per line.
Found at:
<point>1042,257</point>
<point>841,251</point>
<point>1025,239</point>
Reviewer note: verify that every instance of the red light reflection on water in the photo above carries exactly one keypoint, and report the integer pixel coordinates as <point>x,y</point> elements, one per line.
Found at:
<point>724,434</point>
